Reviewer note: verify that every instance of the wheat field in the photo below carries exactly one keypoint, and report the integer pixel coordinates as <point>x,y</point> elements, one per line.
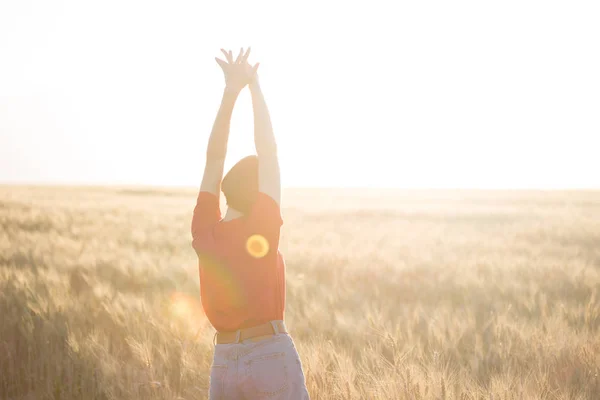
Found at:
<point>391,294</point>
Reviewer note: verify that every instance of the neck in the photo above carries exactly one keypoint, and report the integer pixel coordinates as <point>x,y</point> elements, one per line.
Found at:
<point>232,213</point>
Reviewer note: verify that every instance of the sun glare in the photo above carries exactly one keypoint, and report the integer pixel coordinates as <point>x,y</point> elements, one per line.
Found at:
<point>442,95</point>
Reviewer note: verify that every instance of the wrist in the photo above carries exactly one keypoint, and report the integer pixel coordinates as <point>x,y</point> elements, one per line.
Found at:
<point>254,85</point>
<point>231,91</point>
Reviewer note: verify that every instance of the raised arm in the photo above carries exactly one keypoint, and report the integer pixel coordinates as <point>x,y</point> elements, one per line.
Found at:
<point>217,145</point>
<point>238,74</point>
<point>269,180</point>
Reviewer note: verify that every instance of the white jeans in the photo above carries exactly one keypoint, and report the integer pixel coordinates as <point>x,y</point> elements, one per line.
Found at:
<point>268,369</point>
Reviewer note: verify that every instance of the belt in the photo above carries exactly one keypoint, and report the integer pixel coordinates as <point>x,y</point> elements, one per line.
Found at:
<point>268,328</point>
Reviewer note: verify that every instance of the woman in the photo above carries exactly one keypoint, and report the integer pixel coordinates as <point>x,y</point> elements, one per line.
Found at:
<point>242,272</point>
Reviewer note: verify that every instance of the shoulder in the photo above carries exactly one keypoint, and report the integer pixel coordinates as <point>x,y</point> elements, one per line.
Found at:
<point>208,197</point>
<point>266,210</point>
<point>207,207</point>
<point>207,214</point>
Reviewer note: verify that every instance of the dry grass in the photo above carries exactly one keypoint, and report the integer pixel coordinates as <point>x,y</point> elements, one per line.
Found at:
<point>391,295</point>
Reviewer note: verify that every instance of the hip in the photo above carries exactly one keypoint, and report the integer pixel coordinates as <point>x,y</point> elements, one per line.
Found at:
<point>270,367</point>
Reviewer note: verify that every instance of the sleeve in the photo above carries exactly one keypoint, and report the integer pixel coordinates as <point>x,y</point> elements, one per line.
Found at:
<point>265,220</point>
<point>206,213</point>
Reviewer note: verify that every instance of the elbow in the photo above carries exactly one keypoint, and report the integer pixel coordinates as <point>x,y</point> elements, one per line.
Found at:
<point>193,230</point>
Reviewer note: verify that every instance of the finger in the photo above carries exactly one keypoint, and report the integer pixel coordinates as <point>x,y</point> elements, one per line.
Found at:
<point>222,63</point>
<point>255,68</point>
<point>230,57</point>
<point>245,58</point>
<point>239,57</point>
<point>226,55</point>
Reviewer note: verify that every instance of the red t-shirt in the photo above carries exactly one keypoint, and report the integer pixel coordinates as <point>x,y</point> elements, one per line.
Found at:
<point>242,272</point>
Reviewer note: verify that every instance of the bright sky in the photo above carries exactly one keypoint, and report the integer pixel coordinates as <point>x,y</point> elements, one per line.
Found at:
<point>382,93</point>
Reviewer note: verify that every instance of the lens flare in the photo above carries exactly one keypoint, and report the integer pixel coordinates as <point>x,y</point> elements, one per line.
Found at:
<point>185,307</point>
<point>257,246</point>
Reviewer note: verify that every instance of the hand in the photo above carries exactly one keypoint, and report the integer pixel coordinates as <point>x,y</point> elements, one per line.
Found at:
<point>238,72</point>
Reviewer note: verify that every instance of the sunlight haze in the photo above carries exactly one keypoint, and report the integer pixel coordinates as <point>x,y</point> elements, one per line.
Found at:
<point>375,94</point>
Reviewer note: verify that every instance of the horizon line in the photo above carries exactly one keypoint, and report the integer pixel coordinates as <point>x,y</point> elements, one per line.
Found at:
<point>299,187</point>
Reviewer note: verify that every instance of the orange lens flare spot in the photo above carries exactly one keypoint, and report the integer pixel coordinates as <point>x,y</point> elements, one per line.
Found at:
<point>184,306</point>
<point>257,246</point>
<point>181,308</point>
